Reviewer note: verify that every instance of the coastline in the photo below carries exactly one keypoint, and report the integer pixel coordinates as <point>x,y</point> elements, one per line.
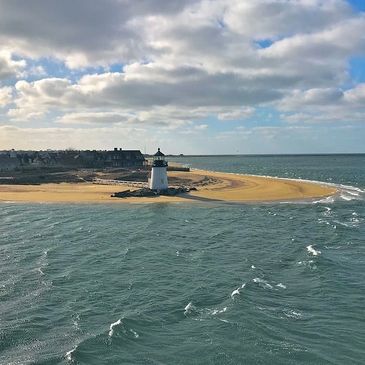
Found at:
<point>228,187</point>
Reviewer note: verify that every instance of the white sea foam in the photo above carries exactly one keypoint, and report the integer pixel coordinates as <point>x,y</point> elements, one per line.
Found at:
<point>189,308</point>
<point>348,192</point>
<point>217,311</point>
<point>135,334</point>
<point>293,314</point>
<point>111,328</point>
<point>353,222</point>
<point>69,356</point>
<point>280,285</point>
<point>346,197</point>
<point>43,262</point>
<point>264,283</point>
<point>343,224</point>
<point>323,221</point>
<point>75,321</point>
<point>312,251</point>
<point>328,212</point>
<point>329,199</point>
<point>235,292</point>
<point>353,193</point>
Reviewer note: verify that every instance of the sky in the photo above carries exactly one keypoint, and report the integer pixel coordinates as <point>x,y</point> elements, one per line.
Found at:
<point>189,76</point>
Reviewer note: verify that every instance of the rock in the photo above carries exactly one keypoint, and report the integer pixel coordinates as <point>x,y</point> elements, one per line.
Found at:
<point>145,192</point>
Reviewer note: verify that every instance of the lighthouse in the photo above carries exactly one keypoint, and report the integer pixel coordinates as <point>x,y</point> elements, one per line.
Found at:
<point>158,180</point>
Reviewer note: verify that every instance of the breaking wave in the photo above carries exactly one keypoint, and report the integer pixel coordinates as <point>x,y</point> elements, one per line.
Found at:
<point>312,251</point>
<point>69,354</point>
<point>111,328</point>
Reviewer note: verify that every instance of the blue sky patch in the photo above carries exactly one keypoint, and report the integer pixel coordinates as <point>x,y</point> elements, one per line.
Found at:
<point>358,5</point>
<point>357,69</point>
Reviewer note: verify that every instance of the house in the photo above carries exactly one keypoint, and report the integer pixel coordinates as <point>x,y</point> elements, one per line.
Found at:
<point>117,158</point>
<point>8,163</point>
<point>124,158</point>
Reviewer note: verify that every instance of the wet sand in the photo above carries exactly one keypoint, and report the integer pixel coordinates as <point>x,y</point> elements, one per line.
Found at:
<point>223,187</point>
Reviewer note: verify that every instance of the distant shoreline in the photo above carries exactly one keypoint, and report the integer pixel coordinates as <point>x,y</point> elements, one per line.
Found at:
<point>271,155</point>
<point>225,187</point>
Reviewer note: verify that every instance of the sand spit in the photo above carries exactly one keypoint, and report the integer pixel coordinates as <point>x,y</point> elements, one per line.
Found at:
<point>219,186</point>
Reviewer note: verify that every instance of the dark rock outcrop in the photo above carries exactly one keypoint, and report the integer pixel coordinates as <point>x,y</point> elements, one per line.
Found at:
<point>145,192</point>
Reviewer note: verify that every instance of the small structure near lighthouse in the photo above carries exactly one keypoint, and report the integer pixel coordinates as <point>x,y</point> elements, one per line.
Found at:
<point>158,179</point>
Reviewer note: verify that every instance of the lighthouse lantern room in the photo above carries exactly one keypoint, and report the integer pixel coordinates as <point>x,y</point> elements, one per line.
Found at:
<point>158,180</point>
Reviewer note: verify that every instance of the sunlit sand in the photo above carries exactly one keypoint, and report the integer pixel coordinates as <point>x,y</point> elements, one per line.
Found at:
<point>227,187</point>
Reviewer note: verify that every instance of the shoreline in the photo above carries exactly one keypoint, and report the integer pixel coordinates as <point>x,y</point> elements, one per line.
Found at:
<point>228,187</point>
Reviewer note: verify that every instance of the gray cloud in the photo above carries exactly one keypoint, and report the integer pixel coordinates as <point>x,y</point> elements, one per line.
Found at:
<point>325,105</point>
<point>119,91</point>
<point>79,31</point>
<point>183,61</point>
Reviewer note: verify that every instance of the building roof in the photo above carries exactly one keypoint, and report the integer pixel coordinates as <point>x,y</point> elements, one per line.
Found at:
<point>159,153</point>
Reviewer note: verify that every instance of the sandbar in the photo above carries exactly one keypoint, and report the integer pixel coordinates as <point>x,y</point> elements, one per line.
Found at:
<point>224,187</point>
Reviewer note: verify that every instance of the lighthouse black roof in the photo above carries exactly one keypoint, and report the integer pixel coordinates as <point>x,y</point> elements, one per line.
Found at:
<point>159,159</point>
<point>159,153</point>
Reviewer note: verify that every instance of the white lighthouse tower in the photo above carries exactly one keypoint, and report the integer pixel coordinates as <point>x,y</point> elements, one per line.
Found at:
<point>158,180</point>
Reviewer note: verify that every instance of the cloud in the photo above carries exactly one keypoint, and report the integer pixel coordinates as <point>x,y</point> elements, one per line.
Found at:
<point>75,31</point>
<point>311,98</point>
<point>126,91</point>
<point>164,119</point>
<point>325,105</point>
<point>181,63</point>
<point>10,67</point>
<point>238,114</point>
<point>200,54</point>
<point>282,18</point>
<point>62,138</point>
<point>5,96</point>
<point>90,118</point>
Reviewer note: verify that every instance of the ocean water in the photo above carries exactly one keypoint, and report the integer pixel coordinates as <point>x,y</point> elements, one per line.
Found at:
<point>190,283</point>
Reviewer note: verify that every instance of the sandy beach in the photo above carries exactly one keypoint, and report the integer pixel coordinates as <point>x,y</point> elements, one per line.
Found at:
<point>225,187</point>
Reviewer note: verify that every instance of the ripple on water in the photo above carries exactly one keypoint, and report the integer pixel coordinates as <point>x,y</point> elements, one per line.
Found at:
<point>158,283</point>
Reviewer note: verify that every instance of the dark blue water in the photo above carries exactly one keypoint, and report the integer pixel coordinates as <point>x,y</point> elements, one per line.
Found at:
<point>190,283</point>
<point>344,169</point>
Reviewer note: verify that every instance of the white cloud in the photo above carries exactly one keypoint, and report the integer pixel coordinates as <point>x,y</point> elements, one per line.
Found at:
<point>123,92</point>
<point>5,96</point>
<point>8,66</point>
<point>182,62</point>
<point>107,118</point>
<point>238,114</point>
<point>325,105</point>
<point>62,138</point>
<point>262,19</point>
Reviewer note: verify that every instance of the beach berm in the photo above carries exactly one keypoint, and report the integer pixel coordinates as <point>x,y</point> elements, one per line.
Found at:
<point>219,186</point>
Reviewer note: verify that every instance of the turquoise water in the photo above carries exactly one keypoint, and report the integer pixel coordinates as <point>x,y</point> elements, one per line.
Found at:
<point>191,283</point>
